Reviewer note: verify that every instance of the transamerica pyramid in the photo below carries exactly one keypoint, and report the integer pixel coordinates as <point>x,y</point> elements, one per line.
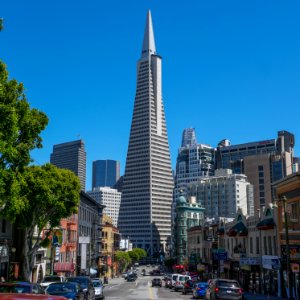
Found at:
<point>145,211</point>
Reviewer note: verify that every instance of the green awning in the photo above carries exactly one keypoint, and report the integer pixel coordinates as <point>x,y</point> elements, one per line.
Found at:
<point>266,224</point>
<point>238,229</point>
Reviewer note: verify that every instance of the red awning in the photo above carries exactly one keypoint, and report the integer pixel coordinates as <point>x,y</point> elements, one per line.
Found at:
<point>64,267</point>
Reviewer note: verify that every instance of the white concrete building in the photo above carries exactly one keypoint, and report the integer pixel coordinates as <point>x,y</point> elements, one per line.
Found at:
<point>223,194</point>
<point>109,197</point>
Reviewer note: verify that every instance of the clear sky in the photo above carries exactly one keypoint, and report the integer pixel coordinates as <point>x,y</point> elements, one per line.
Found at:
<point>231,69</point>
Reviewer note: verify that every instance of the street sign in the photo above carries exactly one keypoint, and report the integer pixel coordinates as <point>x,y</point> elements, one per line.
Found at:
<point>222,256</point>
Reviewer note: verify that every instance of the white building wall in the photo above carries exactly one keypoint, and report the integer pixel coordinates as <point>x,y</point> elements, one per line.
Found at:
<point>109,197</point>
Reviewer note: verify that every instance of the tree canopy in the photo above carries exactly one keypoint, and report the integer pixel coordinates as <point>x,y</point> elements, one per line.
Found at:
<point>31,197</point>
<point>20,129</point>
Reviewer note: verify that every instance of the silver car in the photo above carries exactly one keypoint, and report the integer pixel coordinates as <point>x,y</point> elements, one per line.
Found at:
<point>98,286</point>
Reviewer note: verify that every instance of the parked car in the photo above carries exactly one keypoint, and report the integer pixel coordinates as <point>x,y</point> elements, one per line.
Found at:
<point>98,286</point>
<point>21,287</point>
<point>199,290</point>
<point>156,282</point>
<point>224,289</point>
<point>17,296</point>
<point>50,279</point>
<point>85,284</point>
<point>188,286</point>
<point>69,290</point>
<point>180,282</point>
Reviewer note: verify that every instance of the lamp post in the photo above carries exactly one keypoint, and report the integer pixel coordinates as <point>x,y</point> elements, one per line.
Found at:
<point>289,280</point>
<point>261,255</point>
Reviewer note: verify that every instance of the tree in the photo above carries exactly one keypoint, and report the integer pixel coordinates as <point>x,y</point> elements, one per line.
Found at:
<point>123,259</point>
<point>1,24</point>
<point>141,253</point>
<point>20,128</point>
<point>46,194</point>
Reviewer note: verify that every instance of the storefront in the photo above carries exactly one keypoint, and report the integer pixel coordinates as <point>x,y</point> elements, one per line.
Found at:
<point>271,275</point>
<point>249,277</point>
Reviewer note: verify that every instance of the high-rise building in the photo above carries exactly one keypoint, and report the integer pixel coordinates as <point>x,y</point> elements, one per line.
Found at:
<point>223,194</point>
<point>263,162</point>
<point>194,161</point>
<point>111,198</point>
<point>188,137</point>
<point>71,156</point>
<point>145,211</point>
<point>105,173</point>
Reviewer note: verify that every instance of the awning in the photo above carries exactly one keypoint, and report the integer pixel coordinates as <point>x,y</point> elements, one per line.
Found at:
<point>64,267</point>
<point>266,224</point>
<point>221,231</point>
<point>238,229</point>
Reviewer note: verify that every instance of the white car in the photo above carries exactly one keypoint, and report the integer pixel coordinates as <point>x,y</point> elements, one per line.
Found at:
<point>50,279</point>
<point>98,286</point>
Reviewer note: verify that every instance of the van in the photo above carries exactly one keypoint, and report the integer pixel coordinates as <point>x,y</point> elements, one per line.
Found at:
<point>174,278</point>
<point>181,281</point>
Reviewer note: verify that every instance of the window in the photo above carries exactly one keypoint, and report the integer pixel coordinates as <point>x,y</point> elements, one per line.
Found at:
<point>270,245</point>
<point>257,245</point>
<point>251,245</point>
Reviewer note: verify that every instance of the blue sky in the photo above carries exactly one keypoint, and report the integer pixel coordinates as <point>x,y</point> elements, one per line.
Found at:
<point>231,69</point>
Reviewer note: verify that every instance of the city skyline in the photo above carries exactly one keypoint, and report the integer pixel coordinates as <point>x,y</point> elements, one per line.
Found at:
<point>230,70</point>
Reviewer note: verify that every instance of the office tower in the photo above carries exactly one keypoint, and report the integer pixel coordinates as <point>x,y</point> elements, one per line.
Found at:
<point>223,194</point>
<point>109,197</point>
<point>105,173</point>
<point>145,211</point>
<point>188,137</point>
<point>71,156</point>
<point>263,162</point>
<point>194,161</point>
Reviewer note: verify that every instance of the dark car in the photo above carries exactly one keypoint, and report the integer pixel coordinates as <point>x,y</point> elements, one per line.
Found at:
<point>86,286</point>
<point>156,282</point>
<point>199,290</point>
<point>21,288</point>
<point>188,286</point>
<point>70,290</point>
<point>224,289</point>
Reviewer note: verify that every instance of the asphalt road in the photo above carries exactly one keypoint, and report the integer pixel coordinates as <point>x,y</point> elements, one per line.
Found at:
<point>141,289</point>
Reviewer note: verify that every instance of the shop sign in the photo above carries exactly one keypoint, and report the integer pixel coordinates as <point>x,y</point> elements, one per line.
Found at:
<point>270,262</point>
<point>250,261</point>
<point>294,252</point>
<point>295,268</point>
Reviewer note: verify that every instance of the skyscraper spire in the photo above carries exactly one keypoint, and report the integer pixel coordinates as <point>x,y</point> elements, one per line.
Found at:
<point>147,192</point>
<point>149,42</point>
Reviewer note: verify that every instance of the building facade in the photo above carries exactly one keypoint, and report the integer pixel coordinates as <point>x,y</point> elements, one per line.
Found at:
<point>194,161</point>
<point>188,214</point>
<point>105,173</point>
<point>145,211</point>
<point>71,156</point>
<point>110,198</point>
<point>89,241</point>
<point>223,194</point>
<point>263,162</point>
<point>110,244</point>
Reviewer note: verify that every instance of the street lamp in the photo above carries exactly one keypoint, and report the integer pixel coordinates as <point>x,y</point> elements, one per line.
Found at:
<point>289,280</point>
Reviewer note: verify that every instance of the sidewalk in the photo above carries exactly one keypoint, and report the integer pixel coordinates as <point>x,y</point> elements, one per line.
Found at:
<point>251,296</point>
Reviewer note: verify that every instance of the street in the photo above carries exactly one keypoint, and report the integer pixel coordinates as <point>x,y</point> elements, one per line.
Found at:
<point>141,289</point>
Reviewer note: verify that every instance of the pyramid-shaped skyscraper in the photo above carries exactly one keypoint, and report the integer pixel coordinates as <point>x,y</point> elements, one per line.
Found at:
<point>145,212</point>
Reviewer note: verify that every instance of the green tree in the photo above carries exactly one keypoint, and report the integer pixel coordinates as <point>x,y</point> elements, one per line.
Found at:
<point>20,129</point>
<point>123,259</point>
<point>1,24</point>
<point>47,195</point>
<point>141,253</point>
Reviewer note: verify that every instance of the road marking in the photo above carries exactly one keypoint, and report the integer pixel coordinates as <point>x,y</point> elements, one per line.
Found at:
<point>151,296</point>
